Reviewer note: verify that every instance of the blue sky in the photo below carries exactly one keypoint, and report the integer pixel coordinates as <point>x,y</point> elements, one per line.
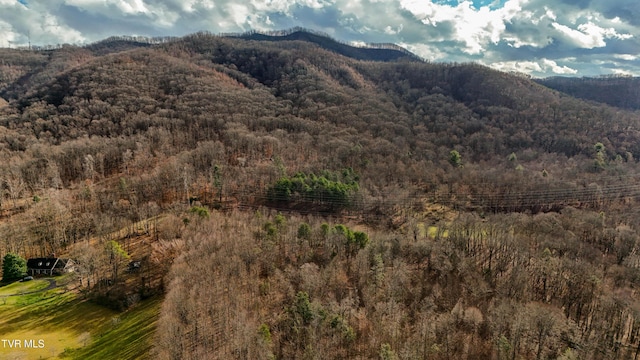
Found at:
<point>537,37</point>
<point>494,4</point>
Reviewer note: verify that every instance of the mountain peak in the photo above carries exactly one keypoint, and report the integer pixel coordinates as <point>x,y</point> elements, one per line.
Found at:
<point>371,51</point>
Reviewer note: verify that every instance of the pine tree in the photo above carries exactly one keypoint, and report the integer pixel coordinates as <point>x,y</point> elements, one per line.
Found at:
<point>13,267</point>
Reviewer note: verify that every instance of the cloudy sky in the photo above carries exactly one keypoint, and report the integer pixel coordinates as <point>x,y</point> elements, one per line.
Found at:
<point>538,37</point>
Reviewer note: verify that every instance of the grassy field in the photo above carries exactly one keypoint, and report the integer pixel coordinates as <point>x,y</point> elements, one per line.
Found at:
<point>23,287</point>
<point>59,324</point>
<point>129,336</point>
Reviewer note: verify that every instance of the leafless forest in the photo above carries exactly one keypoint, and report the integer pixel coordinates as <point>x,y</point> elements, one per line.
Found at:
<point>290,202</point>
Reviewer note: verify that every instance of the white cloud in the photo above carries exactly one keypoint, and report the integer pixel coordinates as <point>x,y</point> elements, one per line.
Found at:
<point>189,6</point>
<point>393,31</point>
<point>557,69</point>
<point>8,37</point>
<point>510,34</point>
<point>579,38</point>
<point>526,67</point>
<point>542,66</point>
<point>589,35</point>
<point>626,57</point>
<point>239,14</point>
<point>50,25</point>
<point>427,52</point>
<point>473,27</point>
<point>623,72</point>
<point>550,14</point>
<point>132,6</point>
<point>19,24</point>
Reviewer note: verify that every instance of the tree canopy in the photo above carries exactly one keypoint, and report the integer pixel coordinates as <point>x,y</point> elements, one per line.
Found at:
<point>14,267</point>
<point>332,189</point>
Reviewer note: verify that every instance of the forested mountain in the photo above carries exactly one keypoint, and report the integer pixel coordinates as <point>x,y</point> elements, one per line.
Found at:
<point>619,91</point>
<point>307,204</point>
<point>373,52</point>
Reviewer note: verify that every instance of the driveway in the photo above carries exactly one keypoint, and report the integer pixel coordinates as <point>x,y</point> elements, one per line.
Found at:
<point>52,285</point>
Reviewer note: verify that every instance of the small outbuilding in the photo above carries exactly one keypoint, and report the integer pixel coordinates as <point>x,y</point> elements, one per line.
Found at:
<point>134,266</point>
<point>49,266</point>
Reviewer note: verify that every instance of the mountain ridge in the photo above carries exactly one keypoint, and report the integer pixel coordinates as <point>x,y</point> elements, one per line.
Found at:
<point>617,91</point>
<point>294,202</point>
<point>371,51</point>
<point>284,69</point>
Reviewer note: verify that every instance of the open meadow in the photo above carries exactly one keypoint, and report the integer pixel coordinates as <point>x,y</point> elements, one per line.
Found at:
<point>36,323</point>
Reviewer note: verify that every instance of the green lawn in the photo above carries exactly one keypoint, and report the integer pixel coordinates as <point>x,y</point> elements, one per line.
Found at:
<point>22,287</point>
<point>129,336</point>
<point>58,323</point>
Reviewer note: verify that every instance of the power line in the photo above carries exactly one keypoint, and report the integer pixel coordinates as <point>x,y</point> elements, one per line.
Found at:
<point>537,198</point>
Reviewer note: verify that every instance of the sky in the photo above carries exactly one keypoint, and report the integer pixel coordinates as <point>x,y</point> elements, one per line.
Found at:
<point>536,37</point>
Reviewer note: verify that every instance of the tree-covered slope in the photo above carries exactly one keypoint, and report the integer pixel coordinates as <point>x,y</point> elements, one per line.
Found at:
<point>257,100</point>
<point>618,91</point>
<point>385,208</point>
<point>372,52</point>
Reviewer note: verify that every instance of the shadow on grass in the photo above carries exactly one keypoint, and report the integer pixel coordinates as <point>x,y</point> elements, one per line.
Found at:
<point>26,288</point>
<point>81,315</point>
<point>3,283</point>
<point>54,310</point>
<point>34,310</point>
<point>126,335</point>
<point>128,338</point>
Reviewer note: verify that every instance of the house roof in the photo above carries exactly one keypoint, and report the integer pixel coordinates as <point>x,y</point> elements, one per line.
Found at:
<point>46,263</point>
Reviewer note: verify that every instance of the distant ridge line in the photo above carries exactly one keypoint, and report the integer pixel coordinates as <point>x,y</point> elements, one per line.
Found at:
<point>299,29</point>
<point>155,40</point>
<point>147,40</point>
<point>284,32</point>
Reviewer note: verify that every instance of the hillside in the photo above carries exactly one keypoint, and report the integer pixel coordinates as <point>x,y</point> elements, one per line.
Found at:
<point>618,91</point>
<point>307,204</point>
<point>53,323</point>
<point>373,52</point>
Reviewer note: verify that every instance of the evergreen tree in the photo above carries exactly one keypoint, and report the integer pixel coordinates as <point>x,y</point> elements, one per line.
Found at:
<point>13,267</point>
<point>455,159</point>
